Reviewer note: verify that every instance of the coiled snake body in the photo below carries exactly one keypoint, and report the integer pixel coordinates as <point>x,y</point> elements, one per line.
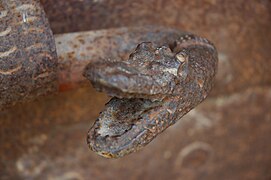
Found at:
<point>156,86</point>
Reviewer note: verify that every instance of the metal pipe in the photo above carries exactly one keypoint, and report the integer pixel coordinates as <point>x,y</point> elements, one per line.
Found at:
<point>28,60</point>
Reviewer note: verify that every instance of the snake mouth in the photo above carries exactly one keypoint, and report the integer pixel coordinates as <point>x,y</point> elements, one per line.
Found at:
<point>130,119</point>
<point>122,126</point>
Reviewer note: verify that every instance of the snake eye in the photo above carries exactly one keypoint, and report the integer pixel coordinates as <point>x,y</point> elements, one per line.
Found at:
<point>181,57</point>
<point>147,46</point>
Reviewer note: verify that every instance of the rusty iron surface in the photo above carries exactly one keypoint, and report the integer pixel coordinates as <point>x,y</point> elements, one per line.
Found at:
<point>23,122</point>
<point>76,50</point>
<point>27,52</point>
<point>227,137</point>
<point>214,141</point>
<point>240,30</point>
<point>233,75</point>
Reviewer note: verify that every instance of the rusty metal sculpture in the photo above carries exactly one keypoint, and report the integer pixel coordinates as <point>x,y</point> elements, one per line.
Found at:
<point>158,84</point>
<point>226,137</point>
<point>153,89</point>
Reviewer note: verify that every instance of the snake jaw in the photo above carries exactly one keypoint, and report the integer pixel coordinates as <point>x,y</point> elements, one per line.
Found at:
<point>126,125</point>
<point>152,89</point>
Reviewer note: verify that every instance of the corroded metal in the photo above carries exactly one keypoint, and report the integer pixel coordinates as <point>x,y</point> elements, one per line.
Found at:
<point>240,29</point>
<point>27,52</point>
<point>155,87</point>
<point>226,137</point>
<point>76,50</point>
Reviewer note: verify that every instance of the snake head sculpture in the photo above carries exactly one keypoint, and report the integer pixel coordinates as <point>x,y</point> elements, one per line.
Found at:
<point>154,88</point>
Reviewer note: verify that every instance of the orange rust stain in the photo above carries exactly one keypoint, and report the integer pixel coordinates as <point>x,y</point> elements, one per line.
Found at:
<point>67,86</point>
<point>89,48</point>
<point>82,54</point>
<point>82,41</point>
<point>71,55</point>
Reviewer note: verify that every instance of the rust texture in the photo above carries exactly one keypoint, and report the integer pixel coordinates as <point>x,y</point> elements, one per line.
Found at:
<point>240,29</point>
<point>76,50</point>
<point>226,137</point>
<point>154,88</point>
<point>214,141</point>
<point>27,52</point>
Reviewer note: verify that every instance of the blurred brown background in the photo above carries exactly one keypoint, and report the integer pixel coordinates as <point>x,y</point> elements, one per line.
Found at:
<point>226,137</point>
